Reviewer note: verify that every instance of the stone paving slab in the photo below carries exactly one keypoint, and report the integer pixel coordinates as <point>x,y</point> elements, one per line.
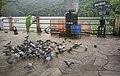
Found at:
<point>110,73</point>
<point>92,68</point>
<point>115,59</point>
<point>88,73</point>
<point>107,52</point>
<point>70,75</point>
<point>112,67</point>
<point>100,62</point>
<point>52,72</point>
<point>88,60</point>
<point>99,55</point>
<point>74,69</point>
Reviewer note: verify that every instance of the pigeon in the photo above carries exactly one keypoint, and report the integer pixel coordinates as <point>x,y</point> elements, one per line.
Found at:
<point>10,62</point>
<point>15,30</point>
<point>70,41</point>
<point>27,36</point>
<point>63,41</point>
<point>20,47</point>
<point>32,44</point>
<point>118,49</point>
<point>86,48</point>
<point>8,46</point>
<point>17,55</point>
<point>75,45</point>
<point>68,63</point>
<point>95,46</point>
<point>56,54</point>
<point>70,49</point>
<point>100,74</point>
<point>46,30</point>
<point>47,41</point>
<point>47,59</point>
<point>5,46</point>
<point>62,50</point>
<point>15,50</point>
<point>6,31</point>
<point>28,66</point>
<point>8,43</point>
<point>6,53</point>
<point>21,53</point>
<point>65,38</point>
<point>25,41</point>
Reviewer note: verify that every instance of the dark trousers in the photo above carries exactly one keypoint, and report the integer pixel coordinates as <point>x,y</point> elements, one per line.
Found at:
<point>101,31</point>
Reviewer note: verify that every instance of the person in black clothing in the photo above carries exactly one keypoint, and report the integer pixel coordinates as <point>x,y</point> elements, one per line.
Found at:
<point>101,27</point>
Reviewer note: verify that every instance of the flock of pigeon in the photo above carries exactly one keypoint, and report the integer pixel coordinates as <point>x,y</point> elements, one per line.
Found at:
<point>45,50</point>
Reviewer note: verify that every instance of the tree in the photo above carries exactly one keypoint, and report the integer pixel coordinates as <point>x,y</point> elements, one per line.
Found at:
<point>115,6</point>
<point>4,2</point>
<point>0,6</point>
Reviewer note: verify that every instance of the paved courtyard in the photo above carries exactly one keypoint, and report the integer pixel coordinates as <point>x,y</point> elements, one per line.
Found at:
<point>101,61</point>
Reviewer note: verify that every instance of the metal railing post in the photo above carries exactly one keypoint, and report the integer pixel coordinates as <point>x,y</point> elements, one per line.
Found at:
<point>38,24</point>
<point>10,19</point>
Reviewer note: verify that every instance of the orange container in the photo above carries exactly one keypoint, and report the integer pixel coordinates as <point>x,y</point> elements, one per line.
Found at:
<point>61,26</point>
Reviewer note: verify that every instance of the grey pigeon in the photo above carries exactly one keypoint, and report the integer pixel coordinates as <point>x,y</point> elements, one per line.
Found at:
<point>68,63</point>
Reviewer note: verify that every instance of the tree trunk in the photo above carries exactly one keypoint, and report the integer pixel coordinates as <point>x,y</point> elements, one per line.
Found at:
<point>0,6</point>
<point>117,26</point>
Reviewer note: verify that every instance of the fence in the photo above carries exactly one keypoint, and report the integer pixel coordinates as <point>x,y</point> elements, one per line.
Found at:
<point>57,24</point>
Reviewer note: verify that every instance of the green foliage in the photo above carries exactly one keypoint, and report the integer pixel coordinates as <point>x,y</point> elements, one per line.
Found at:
<point>0,6</point>
<point>86,8</point>
<point>115,6</point>
<point>50,7</point>
<point>38,7</point>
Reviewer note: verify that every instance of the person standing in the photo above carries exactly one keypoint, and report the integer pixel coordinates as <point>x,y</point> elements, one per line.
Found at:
<point>28,23</point>
<point>101,28</point>
<point>1,23</point>
<point>33,19</point>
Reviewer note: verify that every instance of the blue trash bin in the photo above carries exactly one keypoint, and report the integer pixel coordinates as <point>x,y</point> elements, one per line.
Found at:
<point>75,29</point>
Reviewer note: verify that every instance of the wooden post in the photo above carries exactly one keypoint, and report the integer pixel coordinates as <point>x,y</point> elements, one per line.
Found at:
<point>10,23</point>
<point>38,24</point>
<point>117,26</point>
